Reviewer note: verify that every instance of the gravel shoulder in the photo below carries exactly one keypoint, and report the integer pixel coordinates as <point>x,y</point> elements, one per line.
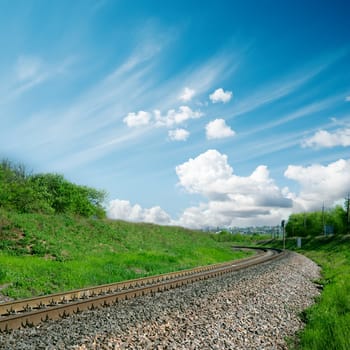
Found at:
<point>252,309</point>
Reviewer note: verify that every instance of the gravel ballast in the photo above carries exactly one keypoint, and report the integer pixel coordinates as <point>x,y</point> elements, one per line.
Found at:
<point>256,308</point>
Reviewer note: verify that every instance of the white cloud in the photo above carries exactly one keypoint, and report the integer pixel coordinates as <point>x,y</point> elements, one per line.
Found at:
<point>219,95</point>
<point>30,71</point>
<point>231,199</point>
<point>303,112</point>
<point>217,129</point>
<point>28,67</point>
<point>171,118</point>
<point>319,183</point>
<point>187,94</point>
<point>123,210</point>
<point>207,169</point>
<point>284,86</point>
<point>347,98</point>
<point>140,118</point>
<point>178,134</point>
<point>212,215</point>
<point>325,139</point>
<point>174,117</point>
<point>97,108</point>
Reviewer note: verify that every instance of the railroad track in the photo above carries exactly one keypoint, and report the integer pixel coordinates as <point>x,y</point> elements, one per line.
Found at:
<point>32,311</point>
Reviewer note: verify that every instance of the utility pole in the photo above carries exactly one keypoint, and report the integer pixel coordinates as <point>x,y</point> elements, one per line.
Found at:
<point>348,213</point>
<point>323,223</point>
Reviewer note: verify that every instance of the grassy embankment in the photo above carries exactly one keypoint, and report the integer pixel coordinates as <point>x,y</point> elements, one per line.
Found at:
<point>41,254</point>
<point>327,321</point>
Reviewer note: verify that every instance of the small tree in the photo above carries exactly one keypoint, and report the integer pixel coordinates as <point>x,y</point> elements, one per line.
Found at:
<point>347,214</point>
<point>65,197</point>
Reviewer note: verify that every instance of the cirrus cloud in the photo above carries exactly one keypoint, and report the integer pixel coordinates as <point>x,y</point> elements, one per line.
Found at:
<point>28,67</point>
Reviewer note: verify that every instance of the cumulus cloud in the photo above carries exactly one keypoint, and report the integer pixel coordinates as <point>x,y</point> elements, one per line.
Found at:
<point>231,199</point>
<point>325,139</point>
<point>206,169</point>
<point>187,94</point>
<point>171,118</point>
<point>217,129</point>
<point>178,134</point>
<point>319,183</point>
<point>211,215</point>
<point>219,95</point>
<point>174,117</point>
<point>140,118</point>
<point>124,210</point>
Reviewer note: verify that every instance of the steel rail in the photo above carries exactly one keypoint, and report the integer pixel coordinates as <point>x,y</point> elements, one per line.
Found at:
<point>32,311</point>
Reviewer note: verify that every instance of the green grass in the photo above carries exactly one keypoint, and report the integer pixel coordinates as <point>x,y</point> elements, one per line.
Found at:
<point>241,239</point>
<point>41,254</point>
<point>327,321</point>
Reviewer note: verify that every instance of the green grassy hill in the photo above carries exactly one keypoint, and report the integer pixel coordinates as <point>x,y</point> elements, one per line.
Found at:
<point>42,253</point>
<point>54,236</point>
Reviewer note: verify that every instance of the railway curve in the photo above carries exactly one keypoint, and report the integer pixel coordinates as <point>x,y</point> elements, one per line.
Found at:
<point>32,311</point>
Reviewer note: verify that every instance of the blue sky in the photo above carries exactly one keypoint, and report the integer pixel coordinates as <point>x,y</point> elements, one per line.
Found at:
<point>211,113</point>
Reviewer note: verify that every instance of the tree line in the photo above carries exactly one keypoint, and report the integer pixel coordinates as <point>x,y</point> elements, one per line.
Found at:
<point>323,222</point>
<point>23,192</point>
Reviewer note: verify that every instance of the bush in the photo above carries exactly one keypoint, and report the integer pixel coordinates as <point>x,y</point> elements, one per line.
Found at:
<point>315,223</point>
<point>46,193</point>
<point>2,274</point>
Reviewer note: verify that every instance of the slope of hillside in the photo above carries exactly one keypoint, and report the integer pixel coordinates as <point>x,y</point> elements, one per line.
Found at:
<point>42,254</point>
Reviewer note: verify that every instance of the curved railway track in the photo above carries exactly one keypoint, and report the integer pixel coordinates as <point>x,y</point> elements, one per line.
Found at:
<point>30,312</point>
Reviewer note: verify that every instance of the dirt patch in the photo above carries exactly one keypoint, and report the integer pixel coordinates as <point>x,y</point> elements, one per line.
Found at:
<point>4,298</point>
<point>138,271</point>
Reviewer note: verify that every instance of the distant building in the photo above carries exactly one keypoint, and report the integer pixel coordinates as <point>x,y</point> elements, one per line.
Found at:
<point>271,230</point>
